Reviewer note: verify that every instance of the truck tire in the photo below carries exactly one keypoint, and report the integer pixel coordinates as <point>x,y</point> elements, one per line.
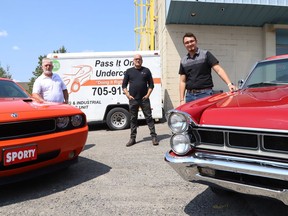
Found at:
<point>118,119</point>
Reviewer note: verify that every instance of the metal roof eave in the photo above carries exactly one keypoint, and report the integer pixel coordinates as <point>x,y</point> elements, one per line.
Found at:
<point>231,14</point>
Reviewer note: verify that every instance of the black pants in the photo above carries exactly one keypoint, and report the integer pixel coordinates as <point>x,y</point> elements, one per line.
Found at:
<point>146,108</point>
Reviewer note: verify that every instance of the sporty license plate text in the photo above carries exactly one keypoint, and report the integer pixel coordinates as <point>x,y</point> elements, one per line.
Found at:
<point>19,155</point>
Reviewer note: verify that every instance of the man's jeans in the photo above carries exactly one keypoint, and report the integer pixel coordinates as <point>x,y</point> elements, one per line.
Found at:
<point>194,96</point>
<point>146,108</point>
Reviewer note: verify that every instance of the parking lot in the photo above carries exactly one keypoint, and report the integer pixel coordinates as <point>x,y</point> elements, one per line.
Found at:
<point>112,179</point>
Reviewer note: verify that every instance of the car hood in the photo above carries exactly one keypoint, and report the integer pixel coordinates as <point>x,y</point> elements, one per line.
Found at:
<point>29,109</point>
<point>253,108</point>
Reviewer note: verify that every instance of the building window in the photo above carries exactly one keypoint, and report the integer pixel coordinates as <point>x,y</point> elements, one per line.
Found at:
<point>281,41</point>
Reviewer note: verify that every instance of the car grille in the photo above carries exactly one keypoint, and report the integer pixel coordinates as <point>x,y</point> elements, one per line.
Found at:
<point>254,180</point>
<point>246,140</point>
<point>27,128</point>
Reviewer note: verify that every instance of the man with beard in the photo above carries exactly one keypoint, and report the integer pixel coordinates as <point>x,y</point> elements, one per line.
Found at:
<point>49,86</point>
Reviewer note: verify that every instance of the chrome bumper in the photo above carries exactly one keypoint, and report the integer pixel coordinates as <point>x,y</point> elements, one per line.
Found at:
<point>188,168</point>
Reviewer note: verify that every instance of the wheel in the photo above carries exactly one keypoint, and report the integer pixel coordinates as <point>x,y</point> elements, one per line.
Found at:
<point>118,119</point>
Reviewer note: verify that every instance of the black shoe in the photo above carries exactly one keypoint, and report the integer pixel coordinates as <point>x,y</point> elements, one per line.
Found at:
<point>131,142</point>
<point>155,141</point>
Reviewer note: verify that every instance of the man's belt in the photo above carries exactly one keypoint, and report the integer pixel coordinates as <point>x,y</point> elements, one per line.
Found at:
<point>194,91</point>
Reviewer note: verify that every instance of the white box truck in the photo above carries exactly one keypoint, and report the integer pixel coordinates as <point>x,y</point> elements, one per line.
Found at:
<point>94,83</point>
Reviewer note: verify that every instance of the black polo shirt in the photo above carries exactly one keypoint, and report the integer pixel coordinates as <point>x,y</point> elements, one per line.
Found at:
<point>197,69</point>
<point>139,81</point>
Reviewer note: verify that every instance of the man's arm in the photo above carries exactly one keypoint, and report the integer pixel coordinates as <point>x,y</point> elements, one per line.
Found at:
<point>125,84</point>
<point>148,93</point>
<point>223,75</point>
<point>126,92</point>
<point>66,96</point>
<point>36,92</point>
<point>38,97</point>
<point>150,86</point>
<point>182,88</point>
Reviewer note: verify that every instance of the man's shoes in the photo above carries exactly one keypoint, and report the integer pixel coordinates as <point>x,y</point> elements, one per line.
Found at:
<point>131,142</point>
<point>155,141</point>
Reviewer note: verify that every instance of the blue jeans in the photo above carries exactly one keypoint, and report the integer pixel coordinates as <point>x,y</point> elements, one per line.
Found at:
<point>146,109</point>
<point>194,96</point>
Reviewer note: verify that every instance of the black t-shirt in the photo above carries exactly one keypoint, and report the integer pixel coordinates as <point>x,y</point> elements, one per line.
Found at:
<point>139,81</point>
<point>197,69</point>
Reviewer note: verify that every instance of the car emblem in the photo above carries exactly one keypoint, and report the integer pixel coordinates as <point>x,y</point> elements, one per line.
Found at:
<point>14,115</point>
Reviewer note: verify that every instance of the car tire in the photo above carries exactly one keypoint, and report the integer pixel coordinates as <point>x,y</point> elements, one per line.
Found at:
<point>118,119</point>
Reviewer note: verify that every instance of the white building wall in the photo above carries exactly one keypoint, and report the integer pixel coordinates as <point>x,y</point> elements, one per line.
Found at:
<point>236,48</point>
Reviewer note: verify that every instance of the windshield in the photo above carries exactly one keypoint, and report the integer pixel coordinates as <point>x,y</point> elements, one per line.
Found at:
<point>10,89</point>
<point>274,72</point>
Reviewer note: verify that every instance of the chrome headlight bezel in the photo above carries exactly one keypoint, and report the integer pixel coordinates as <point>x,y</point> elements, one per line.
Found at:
<point>178,121</point>
<point>76,120</point>
<point>62,122</point>
<point>180,143</point>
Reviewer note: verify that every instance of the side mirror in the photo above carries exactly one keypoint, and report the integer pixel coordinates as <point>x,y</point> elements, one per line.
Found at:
<point>240,83</point>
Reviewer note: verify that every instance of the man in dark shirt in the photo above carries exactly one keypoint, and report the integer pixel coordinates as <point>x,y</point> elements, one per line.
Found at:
<point>141,85</point>
<point>195,71</point>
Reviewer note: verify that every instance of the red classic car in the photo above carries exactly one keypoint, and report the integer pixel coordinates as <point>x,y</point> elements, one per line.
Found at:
<point>36,138</point>
<point>237,141</point>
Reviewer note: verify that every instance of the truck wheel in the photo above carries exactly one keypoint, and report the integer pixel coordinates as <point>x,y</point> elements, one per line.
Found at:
<point>118,119</point>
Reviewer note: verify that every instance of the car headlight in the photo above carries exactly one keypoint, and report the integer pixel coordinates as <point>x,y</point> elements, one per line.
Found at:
<point>62,122</point>
<point>180,144</point>
<point>76,120</point>
<point>178,121</point>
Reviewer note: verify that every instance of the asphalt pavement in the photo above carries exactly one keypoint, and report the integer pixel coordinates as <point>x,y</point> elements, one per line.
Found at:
<point>112,179</point>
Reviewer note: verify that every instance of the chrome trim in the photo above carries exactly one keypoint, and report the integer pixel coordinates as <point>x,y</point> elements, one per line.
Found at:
<point>225,146</point>
<point>258,152</point>
<point>187,168</point>
<point>230,128</point>
<point>188,116</point>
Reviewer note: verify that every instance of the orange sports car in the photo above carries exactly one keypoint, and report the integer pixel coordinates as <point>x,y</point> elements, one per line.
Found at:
<point>36,138</point>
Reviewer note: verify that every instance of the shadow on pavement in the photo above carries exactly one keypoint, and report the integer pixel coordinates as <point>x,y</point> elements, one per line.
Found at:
<point>234,204</point>
<point>45,185</point>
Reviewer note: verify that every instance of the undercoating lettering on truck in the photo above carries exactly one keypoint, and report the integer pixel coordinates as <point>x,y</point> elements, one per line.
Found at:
<point>94,83</point>
<point>101,73</point>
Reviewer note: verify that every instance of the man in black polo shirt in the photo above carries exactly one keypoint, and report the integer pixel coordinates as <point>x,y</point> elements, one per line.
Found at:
<point>141,85</point>
<point>195,71</point>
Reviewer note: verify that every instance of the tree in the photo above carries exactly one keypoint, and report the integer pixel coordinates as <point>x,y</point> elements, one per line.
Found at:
<point>5,73</point>
<point>38,70</point>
